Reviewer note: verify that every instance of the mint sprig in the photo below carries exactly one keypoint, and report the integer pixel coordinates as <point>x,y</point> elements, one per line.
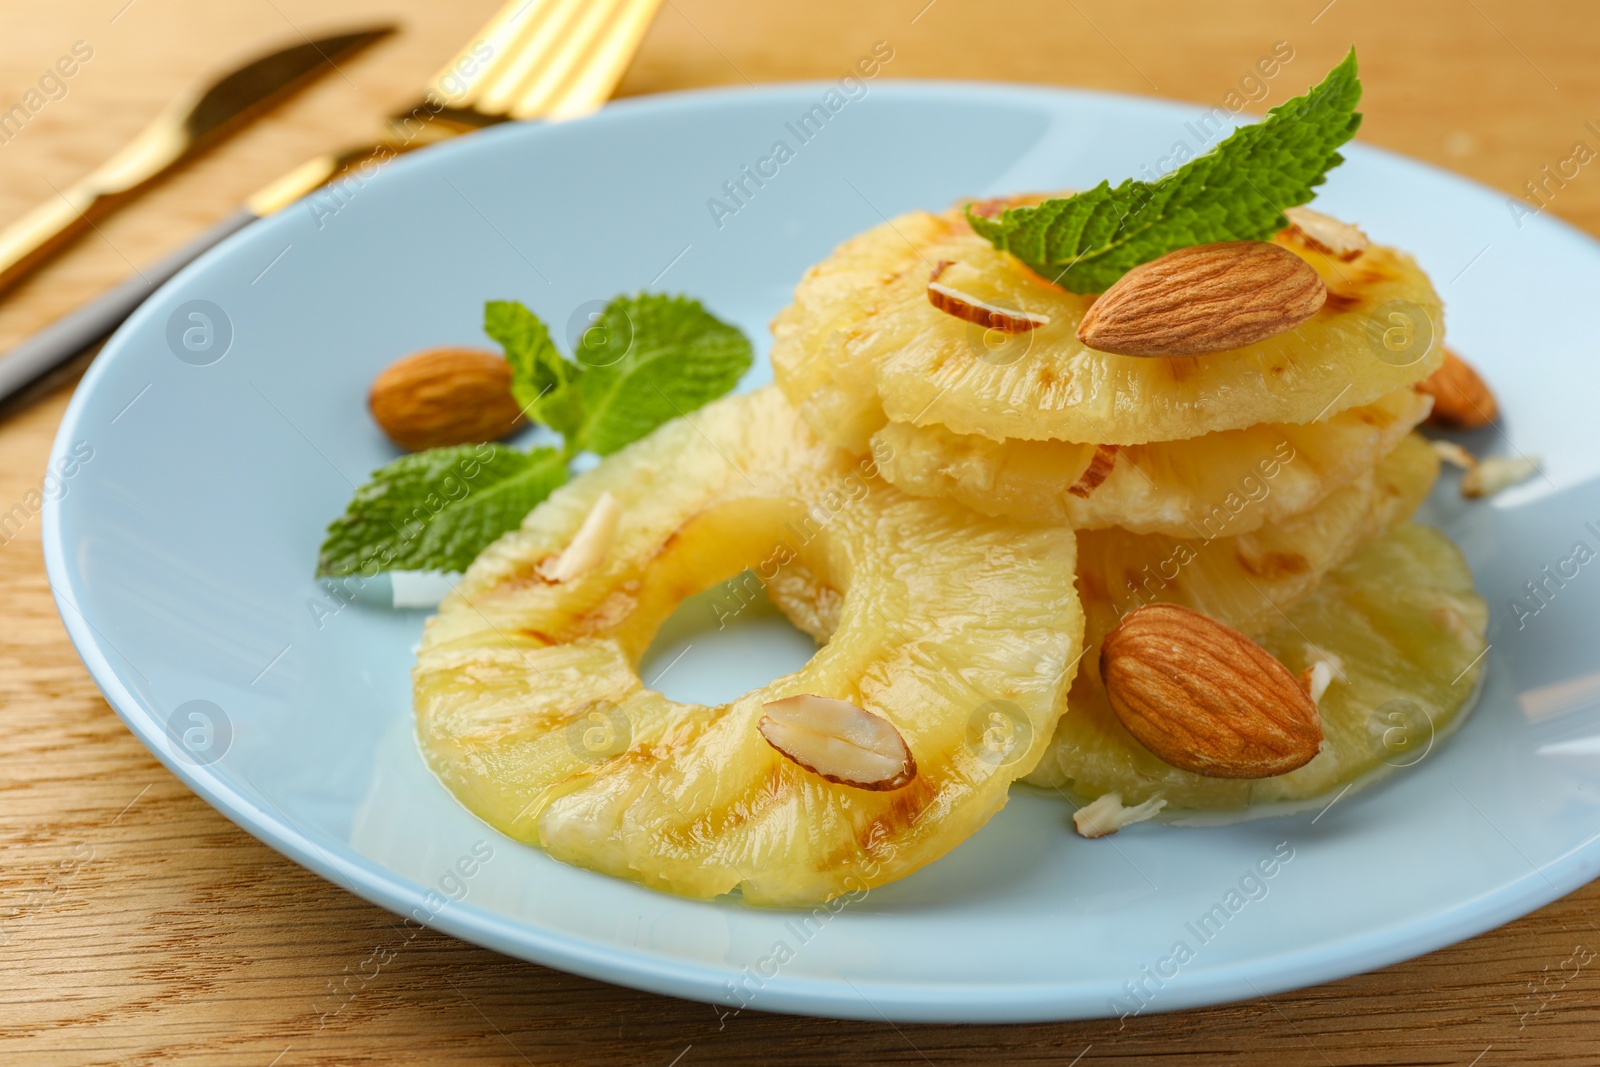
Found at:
<point>1235,192</point>
<point>647,359</point>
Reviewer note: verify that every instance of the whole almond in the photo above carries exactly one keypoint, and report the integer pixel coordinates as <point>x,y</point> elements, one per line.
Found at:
<point>1461,399</point>
<point>1208,298</point>
<point>1205,698</point>
<point>445,396</point>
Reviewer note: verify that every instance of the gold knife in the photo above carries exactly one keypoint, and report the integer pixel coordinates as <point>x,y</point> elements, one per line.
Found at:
<point>189,125</point>
<point>544,59</point>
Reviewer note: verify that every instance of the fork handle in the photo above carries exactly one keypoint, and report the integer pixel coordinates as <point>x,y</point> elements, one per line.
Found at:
<point>78,329</point>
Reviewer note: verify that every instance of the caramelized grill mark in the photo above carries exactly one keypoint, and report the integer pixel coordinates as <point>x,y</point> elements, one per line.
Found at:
<point>1180,367</point>
<point>523,576</point>
<point>760,796</point>
<point>1338,303</point>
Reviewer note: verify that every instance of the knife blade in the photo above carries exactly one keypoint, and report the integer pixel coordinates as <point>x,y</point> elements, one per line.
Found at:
<point>190,124</point>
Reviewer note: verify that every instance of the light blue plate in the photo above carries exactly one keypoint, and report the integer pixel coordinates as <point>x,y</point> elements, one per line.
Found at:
<point>181,545</point>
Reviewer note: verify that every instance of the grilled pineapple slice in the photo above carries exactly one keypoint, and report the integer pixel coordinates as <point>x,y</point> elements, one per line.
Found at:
<point>530,710</point>
<point>861,343</point>
<point>1231,480</point>
<point>1402,630</point>
<point>1246,580</point>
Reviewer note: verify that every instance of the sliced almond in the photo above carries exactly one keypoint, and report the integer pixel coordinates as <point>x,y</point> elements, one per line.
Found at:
<point>1461,398</point>
<point>1205,698</point>
<point>1454,454</point>
<point>1208,298</point>
<point>1316,678</point>
<point>838,741</point>
<point>588,546</point>
<point>969,308</point>
<point>1494,474</point>
<point>1098,470</point>
<point>1105,814</point>
<point>1325,233</point>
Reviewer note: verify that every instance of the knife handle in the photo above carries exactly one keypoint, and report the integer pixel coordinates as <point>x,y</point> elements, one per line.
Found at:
<point>78,329</point>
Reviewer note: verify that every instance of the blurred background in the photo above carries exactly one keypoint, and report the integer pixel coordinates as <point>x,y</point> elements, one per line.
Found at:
<point>186,939</point>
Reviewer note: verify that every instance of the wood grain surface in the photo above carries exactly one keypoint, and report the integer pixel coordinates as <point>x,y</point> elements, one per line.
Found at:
<point>139,926</point>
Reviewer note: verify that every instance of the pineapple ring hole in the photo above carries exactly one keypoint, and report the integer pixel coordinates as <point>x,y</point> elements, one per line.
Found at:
<point>723,642</point>
<point>700,627</point>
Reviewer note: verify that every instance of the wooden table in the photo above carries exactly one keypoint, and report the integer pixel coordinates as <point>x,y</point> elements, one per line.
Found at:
<point>137,925</point>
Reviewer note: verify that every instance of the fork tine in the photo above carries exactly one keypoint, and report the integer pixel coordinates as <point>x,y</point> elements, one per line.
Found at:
<point>508,36</point>
<point>531,97</point>
<point>537,47</point>
<point>597,77</point>
<point>548,58</point>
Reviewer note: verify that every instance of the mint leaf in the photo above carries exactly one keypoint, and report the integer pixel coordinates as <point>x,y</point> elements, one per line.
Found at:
<point>436,510</point>
<point>541,381</point>
<point>1235,192</point>
<point>650,358</point>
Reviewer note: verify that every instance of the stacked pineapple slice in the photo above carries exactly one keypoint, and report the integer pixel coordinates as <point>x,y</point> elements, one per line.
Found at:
<point>1268,486</point>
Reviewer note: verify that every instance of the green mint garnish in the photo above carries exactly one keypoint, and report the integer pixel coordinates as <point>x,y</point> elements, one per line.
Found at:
<point>545,384</point>
<point>1235,192</point>
<point>646,360</point>
<point>649,359</point>
<point>436,510</point>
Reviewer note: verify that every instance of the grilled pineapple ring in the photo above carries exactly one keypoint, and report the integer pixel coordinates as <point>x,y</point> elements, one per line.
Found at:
<point>1229,481</point>
<point>529,707</point>
<point>861,343</point>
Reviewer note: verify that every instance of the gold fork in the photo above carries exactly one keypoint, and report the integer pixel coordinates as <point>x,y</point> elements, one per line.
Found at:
<point>535,59</point>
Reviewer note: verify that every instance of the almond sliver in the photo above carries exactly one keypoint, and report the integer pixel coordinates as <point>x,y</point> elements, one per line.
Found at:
<point>838,741</point>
